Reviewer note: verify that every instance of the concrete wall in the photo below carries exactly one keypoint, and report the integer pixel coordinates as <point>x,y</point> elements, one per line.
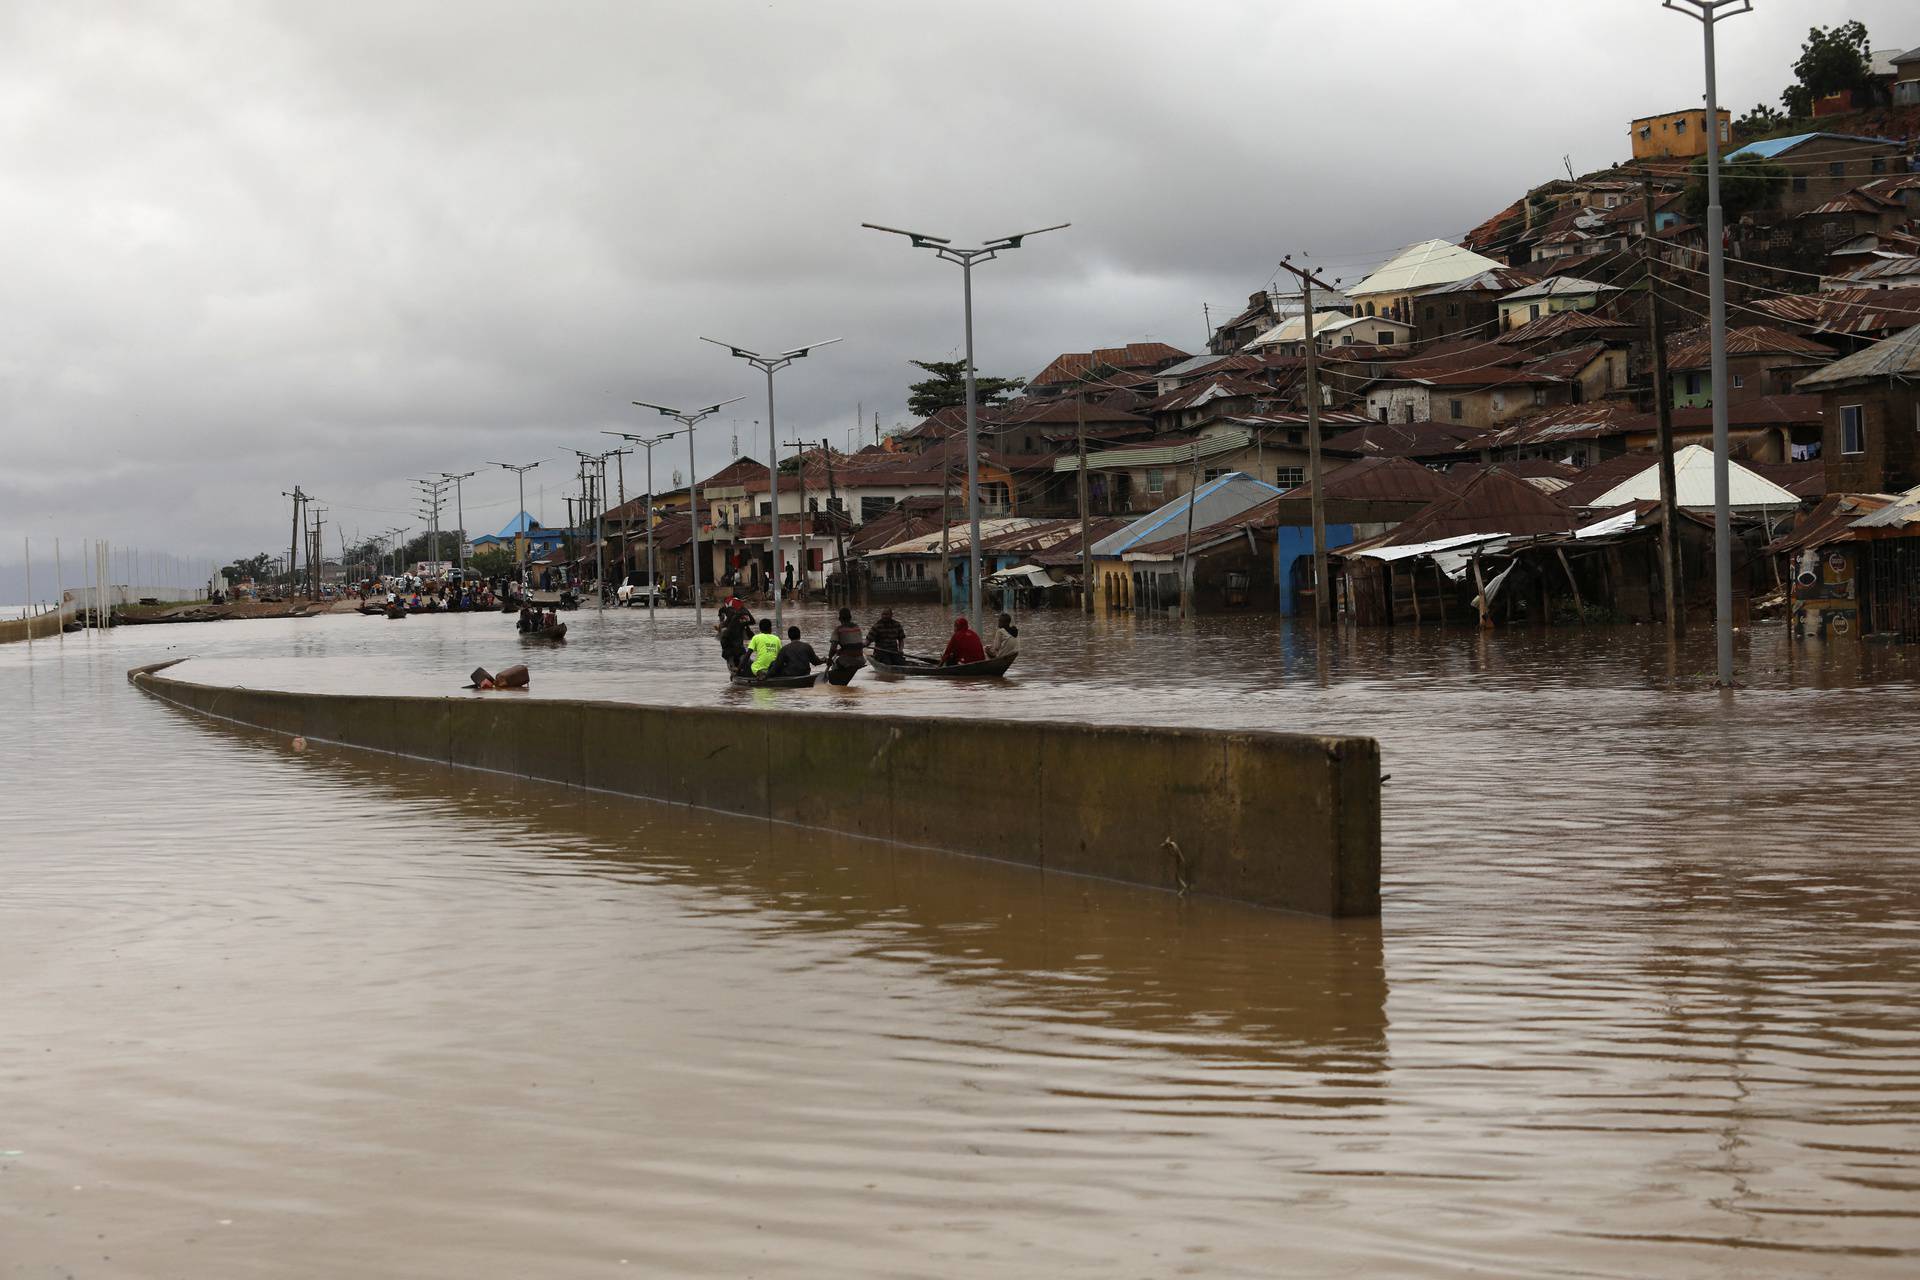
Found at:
<point>1279,820</point>
<point>41,626</point>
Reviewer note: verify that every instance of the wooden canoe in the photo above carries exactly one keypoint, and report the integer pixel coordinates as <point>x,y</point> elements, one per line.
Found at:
<point>991,668</point>
<point>558,631</point>
<point>777,682</point>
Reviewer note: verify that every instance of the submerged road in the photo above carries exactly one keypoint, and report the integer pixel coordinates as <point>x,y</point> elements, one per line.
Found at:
<point>1643,999</point>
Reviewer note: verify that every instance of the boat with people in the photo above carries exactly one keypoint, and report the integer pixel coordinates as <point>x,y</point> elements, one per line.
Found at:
<point>556,631</point>
<point>913,664</point>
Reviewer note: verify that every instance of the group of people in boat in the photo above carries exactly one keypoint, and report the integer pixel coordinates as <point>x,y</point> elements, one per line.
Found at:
<point>532,619</point>
<point>752,649</point>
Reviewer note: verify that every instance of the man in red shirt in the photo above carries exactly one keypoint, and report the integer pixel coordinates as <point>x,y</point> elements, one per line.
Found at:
<point>964,647</point>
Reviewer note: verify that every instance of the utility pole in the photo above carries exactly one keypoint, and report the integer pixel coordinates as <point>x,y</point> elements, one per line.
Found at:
<point>1186,548</point>
<point>317,552</point>
<point>293,548</point>
<point>839,537</point>
<point>620,476</point>
<point>1322,595</point>
<point>806,519</point>
<point>946,523</point>
<point>432,490</point>
<point>1086,546</point>
<point>1707,13</point>
<point>1663,414</point>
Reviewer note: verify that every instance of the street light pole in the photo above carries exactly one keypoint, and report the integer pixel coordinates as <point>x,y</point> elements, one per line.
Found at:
<point>1707,13</point>
<point>520,470</point>
<point>647,443</point>
<point>690,421</point>
<point>965,258</point>
<point>459,516</point>
<point>768,364</point>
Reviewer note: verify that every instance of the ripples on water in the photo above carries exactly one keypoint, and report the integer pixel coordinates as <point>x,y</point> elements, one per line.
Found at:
<point>1642,1002</point>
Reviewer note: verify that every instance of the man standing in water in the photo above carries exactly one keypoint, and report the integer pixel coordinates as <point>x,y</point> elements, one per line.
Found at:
<point>844,652</point>
<point>887,637</point>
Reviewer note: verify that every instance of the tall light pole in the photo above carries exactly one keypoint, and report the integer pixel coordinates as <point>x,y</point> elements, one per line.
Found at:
<point>647,443</point>
<point>1707,13</point>
<point>689,420</point>
<point>965,258</point>
<point>769,364</point>
<point>520,470</point>
<point>459,517</point>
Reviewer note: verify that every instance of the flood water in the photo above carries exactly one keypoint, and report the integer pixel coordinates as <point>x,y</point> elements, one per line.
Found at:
<point>1644,999</point>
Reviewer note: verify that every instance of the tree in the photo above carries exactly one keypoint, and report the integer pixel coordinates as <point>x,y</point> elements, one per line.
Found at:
<point>1761,121</point>
<point>1833,60</point>
<point>1747,185</point>
<point>491,561</point>
<point>254,567</point>
<point>948,387</point>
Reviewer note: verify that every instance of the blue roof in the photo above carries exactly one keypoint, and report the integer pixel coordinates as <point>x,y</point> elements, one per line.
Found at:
<point>1768,148</point>
<point>516,526</point>
<point>1218,499</point>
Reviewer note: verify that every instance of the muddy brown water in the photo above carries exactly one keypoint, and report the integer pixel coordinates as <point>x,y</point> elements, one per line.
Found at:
<point>1644,999</point>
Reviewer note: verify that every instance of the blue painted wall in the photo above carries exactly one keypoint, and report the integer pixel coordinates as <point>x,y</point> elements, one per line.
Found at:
<point>1293,541</point>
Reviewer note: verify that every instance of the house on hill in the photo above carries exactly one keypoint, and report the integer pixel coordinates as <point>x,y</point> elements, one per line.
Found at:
<point>1391,289</point>
<point>1762,360</point>
<point>1072,369</point>
<point>1824,166</point>
<point>1871,402</point>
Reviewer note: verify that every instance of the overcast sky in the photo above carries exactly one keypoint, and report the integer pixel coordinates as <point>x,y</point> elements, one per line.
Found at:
<point>253,244</point>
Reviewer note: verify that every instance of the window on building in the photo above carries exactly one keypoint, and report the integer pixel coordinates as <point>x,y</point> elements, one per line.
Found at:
<point>1533,311</point>
<point>1453,310</point>
<point>766,508</point>
<point>919,568</point>
<point>1853,429</point>
<point>1156,480</point>
<point>1799,182</point>
<point>1214,473</point>
<point>1456,410</point>
<point>1693,384</point>
<point>1878,164</point>
<point>1726,131</point>
<point>1384,338</point>
<point>1646,131</point>
<point>1739,380</point>
<point>871,507</point>
<point>1429,312</point>
<point>837,505</point>
<point>1383,413</point>
<point>1289,477</point>
<point>1679,126</point>
<point>1837,168</point>
<point>1539,395</point>
<point>1346,339</point>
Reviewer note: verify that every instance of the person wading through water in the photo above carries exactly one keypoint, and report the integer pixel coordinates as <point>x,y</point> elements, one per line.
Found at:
<point>964,647</point>
<point>887,637</point>
<point>844,652</point>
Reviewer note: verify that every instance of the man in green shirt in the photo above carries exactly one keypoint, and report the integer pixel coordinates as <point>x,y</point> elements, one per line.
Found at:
<point>763,648</point>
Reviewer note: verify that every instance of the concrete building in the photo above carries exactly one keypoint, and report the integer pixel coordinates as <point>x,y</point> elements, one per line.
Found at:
<point>1824,166</point>
<point>1676,134</point>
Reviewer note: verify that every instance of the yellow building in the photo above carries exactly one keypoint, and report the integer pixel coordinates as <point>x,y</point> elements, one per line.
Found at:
<point>1677,134</point>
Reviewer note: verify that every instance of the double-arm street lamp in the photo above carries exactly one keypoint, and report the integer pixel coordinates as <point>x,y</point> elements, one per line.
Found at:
<point>459,516</point>
<point>769,364</point>
<point>689,421</point>
<point>1707,13</point>
<point>965,258</point>
<point>520,469</point>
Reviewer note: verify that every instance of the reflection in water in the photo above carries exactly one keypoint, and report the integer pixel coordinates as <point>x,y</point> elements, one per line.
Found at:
<point>1643,1001</point>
